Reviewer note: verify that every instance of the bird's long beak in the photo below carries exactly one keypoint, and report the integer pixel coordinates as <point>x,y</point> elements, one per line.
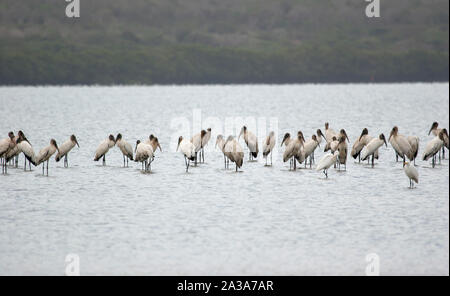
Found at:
<point>430,130</point>
<point>385,142</point>
<point>159,147</point>
<point>347,138</point>
<point>282,142</point>
<point>240,135</point>
<point>178,146</point>
<point>77,144</point>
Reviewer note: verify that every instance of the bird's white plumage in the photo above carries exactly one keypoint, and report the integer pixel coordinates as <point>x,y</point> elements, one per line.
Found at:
<point>401,146</point>
<point>187,148</point>
<point>143,152</point>
<point>126,148</point>
<point>327,161</point>
<point>371,148</point>
<point>269,144</point>
<point>103,148</point>
<point>432,148</point>
<point>411,172</point>
<point>45,154</point>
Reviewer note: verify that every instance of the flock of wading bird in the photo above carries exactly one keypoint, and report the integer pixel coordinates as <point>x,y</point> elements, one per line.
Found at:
<point>297,149</point>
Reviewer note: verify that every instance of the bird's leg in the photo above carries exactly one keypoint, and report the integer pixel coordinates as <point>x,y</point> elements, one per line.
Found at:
<point>104,161</point>
<point>17,160</point>
<point>236,167</point>
<point>443,152</point>
<point>295,164</point>
<point>188,163</point>
<point>43,168</point>
<point>203,155</point>
<point>195,159</point>
<point>47,167</point>
<point>396,157</point>
<point>373,157</point>
<point>25,164</point>
<point>359,158</point>
<point>271,152</point>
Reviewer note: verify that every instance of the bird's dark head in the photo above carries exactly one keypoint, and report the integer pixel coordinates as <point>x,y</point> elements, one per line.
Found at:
<point>74,140</point>
<point>394,132</point>
<point>344,133</point>
<point>119,137</point>
<point>433,126</point>
<point>179,141</point>
<point>286,136</point>
<point>326,125</point>
<point>53,143</point>
<point>365,132</point>
<point>11,135</point>
<point>382,137</point>
<point>151,137</point>
<point>111,138</point>
<point>202,133</point>
<point>209,129</point>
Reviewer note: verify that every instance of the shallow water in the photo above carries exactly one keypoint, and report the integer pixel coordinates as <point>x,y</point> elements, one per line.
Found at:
<point>260,221</point>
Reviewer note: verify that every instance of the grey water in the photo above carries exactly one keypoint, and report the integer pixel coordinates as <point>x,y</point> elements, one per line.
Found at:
<point>263,220</point>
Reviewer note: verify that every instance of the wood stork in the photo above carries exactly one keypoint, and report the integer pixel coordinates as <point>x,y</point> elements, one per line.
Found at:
<point>433,147</point>
<point>197,140</point>
<point>268,145</point>
<point>5,146</point>
<point>332,145</point>
<point>45,154</point>
<point>103,148</point>
<point>155,145</point>
<point>286,141</point>
<point>143,153</point>
<point>293,149</point>
<point>319,136</point>
<point>414,142</point>
<point>308,149</point>
<point>435,130</point>
<point>343,151</point>
<point>125,148</point>
<point>326,162</point>
<point>149,140</point>
<point>329,133</point>
<point>251,141</point>
<point>412,174</point>
<point>234,152</point>
<point>400,144</point>
<point>15,152</point>
<point>205,141</point>
<point>188,151</point>
<point>23,146</point>
<point>220,142</point>
<point>27,150</point>
<point>65,148</point>
<point>372,147</point>
<point>360,143</point>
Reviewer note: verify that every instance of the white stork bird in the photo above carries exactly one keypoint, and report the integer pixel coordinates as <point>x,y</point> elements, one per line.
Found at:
<point>65,148</point>
<point>435,130</point>
<point>293,149</point>
<point>125,148</point>
<point>332,145</point>
<point>188,151</point>
<point>372,148</point>
<point>5,146</point>
<point>234,152</point>
<point>45,154</point>
<point>309,148</point>
<point>23,146</point>
<point>268,145</point>
<point>143,153</point>
<point>414,143</point>
<point>197,140</point>
<point>326,162</point>
<point>329,133</point>
<point>433,147</point>
<point>343,151</point>
<point>220,142</point>
<point>400,144</point>
<point>103,148</point>
<point>252,142</point>
<point>319,136</point>
<point>359,145</point>
<point>205,141</point>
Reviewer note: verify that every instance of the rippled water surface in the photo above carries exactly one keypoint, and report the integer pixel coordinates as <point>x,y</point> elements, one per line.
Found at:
<point>261,221</point>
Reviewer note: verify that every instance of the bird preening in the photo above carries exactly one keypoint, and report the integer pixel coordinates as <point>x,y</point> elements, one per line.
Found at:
<point>297,149</point>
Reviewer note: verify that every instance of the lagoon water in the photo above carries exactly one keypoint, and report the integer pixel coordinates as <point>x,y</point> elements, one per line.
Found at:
<point>260,221</point>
